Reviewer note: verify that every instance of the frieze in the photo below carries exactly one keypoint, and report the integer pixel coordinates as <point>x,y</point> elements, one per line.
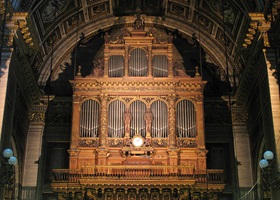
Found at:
<point>37,117</point>
<point>137,86</point>
<point>113,142</point>
<point>160,142</point>
<point>186,143</point>
<point>89,142</point>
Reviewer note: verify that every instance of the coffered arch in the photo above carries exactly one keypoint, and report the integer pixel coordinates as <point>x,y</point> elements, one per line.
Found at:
<point>207,26</point>
<point>63,49</point>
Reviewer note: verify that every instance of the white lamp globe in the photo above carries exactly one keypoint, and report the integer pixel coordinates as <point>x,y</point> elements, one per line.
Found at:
<point>12,160</point>
<point>268,155</point>
<point>263,163</point>
<point>7,153</point>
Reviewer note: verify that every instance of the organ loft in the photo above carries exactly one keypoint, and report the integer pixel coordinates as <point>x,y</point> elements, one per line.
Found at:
<point>138,125</point>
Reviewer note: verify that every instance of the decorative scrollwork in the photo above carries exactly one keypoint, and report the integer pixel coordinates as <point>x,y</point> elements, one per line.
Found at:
<point>186,143</point>
<point>159,142</point>
<point>88,143</point>
<point>37,117</point>
<point>115,142</point>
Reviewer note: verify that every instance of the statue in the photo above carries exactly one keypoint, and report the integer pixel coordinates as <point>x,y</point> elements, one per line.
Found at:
<point>98,68</point>
<point>107,38</point>
<point>127,119</point>
<point>138,23</point>
<point>179,69</point>
<point>148,119</point>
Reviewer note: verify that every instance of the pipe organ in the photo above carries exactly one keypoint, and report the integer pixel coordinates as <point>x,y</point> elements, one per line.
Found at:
<point>138,128</point>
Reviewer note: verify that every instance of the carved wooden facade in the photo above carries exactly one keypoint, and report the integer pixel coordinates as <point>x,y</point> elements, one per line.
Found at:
<point>138,126</point>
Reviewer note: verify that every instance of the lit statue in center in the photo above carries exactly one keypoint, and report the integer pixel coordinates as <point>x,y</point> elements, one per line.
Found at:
<point>148,117</point>
<point>127,119</point>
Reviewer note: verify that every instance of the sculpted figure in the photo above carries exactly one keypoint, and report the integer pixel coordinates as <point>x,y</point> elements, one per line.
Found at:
<point>98,68</point>
<point>179,69</point>
<point>148,119</point>
<point>138,23</point>
<point>127,119</point>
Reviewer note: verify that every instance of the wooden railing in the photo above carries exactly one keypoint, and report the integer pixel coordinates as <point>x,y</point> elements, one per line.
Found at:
<point>140,172</point>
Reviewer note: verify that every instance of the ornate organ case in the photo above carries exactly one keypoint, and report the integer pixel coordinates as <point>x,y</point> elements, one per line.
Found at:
<point>138,121</point>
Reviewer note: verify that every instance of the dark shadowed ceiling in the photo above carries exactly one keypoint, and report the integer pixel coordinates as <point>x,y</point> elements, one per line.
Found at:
<point>204,32</point>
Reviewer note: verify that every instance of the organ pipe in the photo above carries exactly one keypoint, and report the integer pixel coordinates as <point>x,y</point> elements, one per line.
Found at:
<point>89,121</point>
<point>116,66</point>
<point>138,63</point>
<point>160,122</point>
<point>137,110</point>
<point>160,66</point>
<point>115,119</point>
<point>186,119</point>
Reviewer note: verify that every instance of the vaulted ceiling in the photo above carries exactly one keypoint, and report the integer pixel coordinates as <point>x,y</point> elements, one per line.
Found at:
<point>59,26</point>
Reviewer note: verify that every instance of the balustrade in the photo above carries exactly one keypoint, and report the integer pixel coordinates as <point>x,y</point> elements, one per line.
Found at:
<point>141,172</point>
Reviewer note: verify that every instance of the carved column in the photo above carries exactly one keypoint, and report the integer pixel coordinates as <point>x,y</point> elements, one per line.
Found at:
<point>33,151</point>
<point>103,120</point>
<point>275,116</point>
<point>200,122</point>
<point>170,60</point>
<point>102,150</point>
<point>6,54</point>
<point>242,152</point>
<point>106,60</point>
<point>172,121</point>
<point>73,151</point>
<point>75,126</point>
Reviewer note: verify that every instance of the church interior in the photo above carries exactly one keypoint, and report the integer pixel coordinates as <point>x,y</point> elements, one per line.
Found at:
<point>140,99</point>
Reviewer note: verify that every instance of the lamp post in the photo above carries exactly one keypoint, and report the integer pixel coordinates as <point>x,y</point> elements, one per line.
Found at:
<point>270,178</point>
<point>7,173</point>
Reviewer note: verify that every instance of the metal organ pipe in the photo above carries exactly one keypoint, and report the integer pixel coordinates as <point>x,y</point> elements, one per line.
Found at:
<point>138,63</point>
<point>115,119</point>
<point>116,66</point>
<point>186,119</point>
<point>160,66</point>
<point>138,110</point>
<point>160,120</point>
<point>89,122</point>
